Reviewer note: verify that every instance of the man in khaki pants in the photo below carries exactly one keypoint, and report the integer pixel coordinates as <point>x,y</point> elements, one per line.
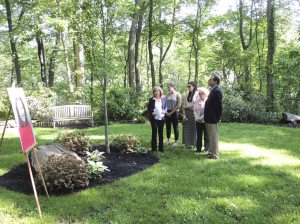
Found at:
<point>212,116</point>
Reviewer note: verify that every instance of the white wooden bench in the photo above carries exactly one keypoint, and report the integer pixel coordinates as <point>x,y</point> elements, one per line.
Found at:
<point>72,113</point>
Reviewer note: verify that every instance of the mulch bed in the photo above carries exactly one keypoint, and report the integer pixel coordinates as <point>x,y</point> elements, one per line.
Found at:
<point>120,165</point>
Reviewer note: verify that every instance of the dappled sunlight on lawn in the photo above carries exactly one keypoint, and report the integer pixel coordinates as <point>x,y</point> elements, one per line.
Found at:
<point>270,157</point>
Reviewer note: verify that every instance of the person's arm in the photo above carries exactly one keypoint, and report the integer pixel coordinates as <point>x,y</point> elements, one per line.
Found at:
<point>219,107</point>
<point>196,112</point>
<point>164,105</point>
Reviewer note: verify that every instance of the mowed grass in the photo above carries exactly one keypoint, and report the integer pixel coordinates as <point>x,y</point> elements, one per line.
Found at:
<point>256,180</point>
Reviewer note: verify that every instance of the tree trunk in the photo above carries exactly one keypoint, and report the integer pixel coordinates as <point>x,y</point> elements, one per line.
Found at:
<point>190,63</point>
<point>52,61</point>
<point>162,53</point>
<point>92,89</point>
<point>131,47</point>
<point>150,42</point>
<point>67,64</point>
<point>103,29</point>
<point>79,71</point>
<point>270,56</point>
<point>13,46</point>
<point>241,25</point>
<point>42,60</point>
<point>196,39</point>
<point>137,43</point>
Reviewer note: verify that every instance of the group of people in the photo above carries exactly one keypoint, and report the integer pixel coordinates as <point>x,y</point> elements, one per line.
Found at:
<point>202,110</point>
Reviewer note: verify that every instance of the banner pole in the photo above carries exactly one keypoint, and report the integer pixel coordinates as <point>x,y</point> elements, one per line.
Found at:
<point>40,172</point>
<point>9,111</point>
<point>33,186</point>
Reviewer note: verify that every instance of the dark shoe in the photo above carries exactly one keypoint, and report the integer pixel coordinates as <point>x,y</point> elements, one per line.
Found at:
<point>198,151</point>
<point>210,156</point>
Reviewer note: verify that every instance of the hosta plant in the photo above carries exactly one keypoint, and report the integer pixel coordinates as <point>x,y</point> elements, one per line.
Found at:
<point>94,165</point>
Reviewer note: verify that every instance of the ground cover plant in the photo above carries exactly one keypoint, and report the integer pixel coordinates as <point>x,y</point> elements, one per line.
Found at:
<point>255,181</point>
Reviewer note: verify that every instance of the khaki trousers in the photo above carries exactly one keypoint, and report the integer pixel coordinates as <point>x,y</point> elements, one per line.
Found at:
<point>213,136</point>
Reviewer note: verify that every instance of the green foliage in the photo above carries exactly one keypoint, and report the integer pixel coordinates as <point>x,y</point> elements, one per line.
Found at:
<point>123,104</point>
<point>248,108</point>
<point>125,143</point>
<point>287,73</point>
<point>63,173</point>
<point>4,104</point>
<point>94,165</point>
<point>76,142</point>
<point>40,103</point>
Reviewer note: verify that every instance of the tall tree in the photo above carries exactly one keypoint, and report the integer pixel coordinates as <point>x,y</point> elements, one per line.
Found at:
<point>13,44</point>
<point>131,45</point>
<point>150,18</point>
<point>137,43</point>
<point>42,57</point>
<point>195,40</point>
<point>241,24</point>
<point>270,55</point>
<point>104,89</point>
<point>161,44</point>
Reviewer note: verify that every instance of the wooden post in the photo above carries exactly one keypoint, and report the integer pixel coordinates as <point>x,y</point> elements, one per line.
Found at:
<point>40,172</point>
<point>33,186</point>
<point>9,111</point>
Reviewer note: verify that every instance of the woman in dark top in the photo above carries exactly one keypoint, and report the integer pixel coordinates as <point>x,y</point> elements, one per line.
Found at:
<point>157,108</point>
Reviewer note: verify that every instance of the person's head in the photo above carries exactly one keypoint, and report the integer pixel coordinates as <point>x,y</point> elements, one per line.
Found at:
<point>214,80</point>
<point>192,87</point>
<point>157,91</point>
<point>171,87</point>
<point>203,93</point>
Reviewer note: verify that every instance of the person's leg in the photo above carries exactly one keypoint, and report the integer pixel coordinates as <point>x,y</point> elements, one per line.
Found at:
<point>206,139</point>
<point>175,127</point>
<point>160,127</point>
<point>212,130</point>
<point>154,135</point>
<point>199,137</point>
<point>168,127</point>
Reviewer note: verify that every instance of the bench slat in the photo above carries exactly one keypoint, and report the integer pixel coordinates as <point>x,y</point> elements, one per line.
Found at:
<point>72,112</point>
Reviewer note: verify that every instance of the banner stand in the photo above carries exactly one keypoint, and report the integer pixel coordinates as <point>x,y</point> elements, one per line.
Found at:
<point>33,186</point>
<point>40,172</point>
<point>3,132</point>
<point>31,147</point>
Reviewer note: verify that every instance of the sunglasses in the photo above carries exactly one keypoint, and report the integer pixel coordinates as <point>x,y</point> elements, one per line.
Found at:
<point>188,86</point>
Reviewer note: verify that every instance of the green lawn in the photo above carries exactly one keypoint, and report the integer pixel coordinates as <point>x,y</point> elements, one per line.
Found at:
<point>256,180</point>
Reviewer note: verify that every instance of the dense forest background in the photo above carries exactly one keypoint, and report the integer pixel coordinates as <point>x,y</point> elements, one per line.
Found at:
<point>110,53</point>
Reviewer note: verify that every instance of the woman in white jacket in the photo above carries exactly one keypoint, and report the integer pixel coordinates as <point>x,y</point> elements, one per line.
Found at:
<point>199,118</point>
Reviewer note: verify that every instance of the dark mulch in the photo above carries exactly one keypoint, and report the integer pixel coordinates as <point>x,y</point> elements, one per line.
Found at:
<point>120,165</point>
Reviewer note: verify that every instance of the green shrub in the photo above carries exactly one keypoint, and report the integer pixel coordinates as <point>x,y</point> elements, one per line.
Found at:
<point>4,105</point>
<point>125,143</point>
<point>40,103</point>
<point>246,108</point>
<point>63,173</point>
<point>125,105</point>
<point>94,165</point>
<point>76,142</point>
